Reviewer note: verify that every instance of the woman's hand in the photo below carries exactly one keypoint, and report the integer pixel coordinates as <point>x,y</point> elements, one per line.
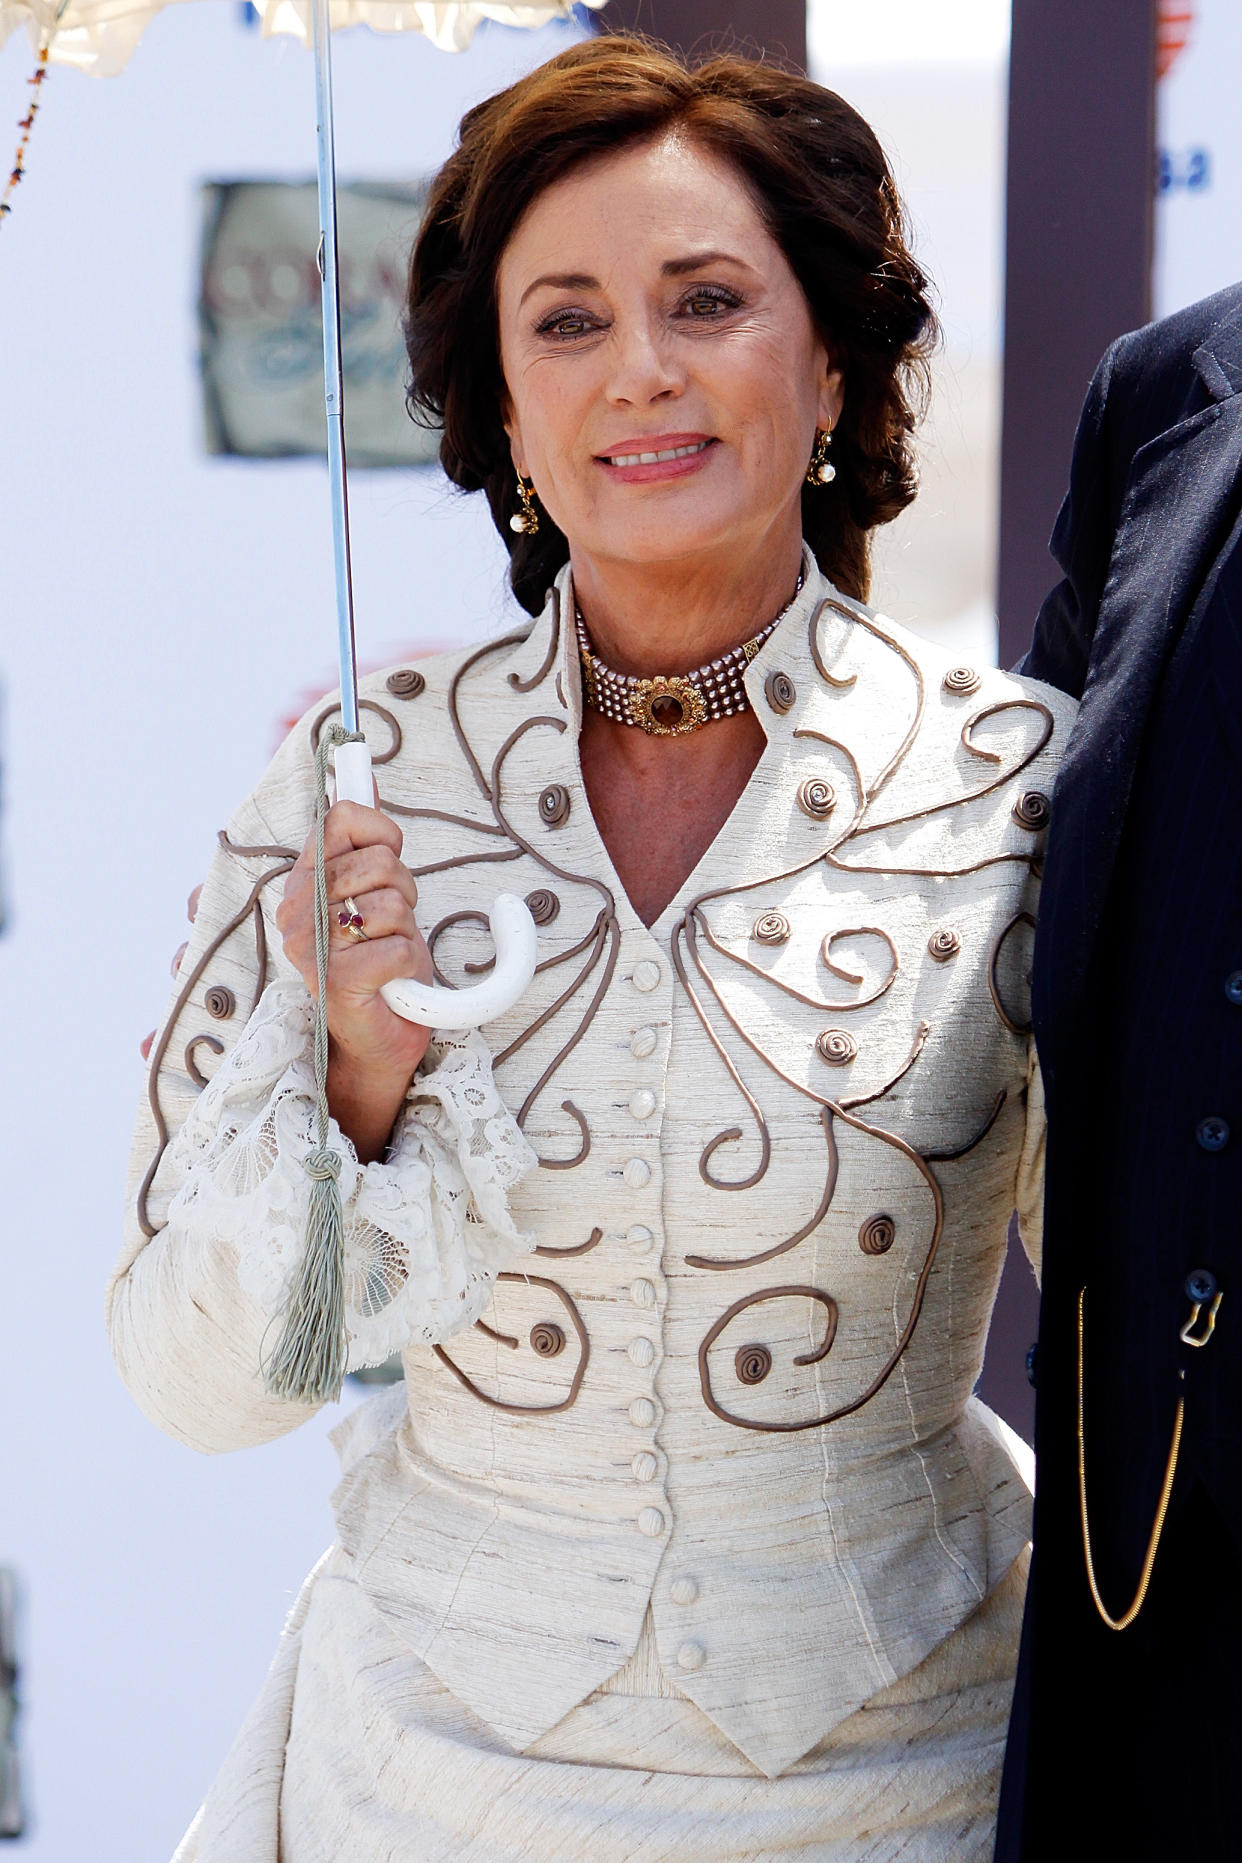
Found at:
<point>373,1052</point>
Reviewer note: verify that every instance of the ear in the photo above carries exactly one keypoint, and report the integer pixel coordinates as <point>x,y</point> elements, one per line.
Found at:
<point>517,451</point>
<point>831,398</point>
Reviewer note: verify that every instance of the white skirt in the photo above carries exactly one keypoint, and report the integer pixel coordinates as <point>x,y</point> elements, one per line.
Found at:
<point>355,1753</point>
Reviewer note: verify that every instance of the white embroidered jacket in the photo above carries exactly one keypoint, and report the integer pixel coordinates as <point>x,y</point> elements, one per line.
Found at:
<point>779,1136</point>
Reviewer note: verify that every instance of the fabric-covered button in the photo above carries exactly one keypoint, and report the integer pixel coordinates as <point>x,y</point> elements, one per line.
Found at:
<point>1200,1285</point>
<point>643,1294</point>
<point>641,1351</point>
<point>644,1466</point>
<point>646,975</point>
<point>684,1590</point>
<point>691,1656</point>
<point>637,1173</point>
<point>1233,986</point>
<point>651,1522</point>
<point>642,1413</point>
<point>1212,1134</point>
<point>643,1042</point>
<point>639,1236</point>
<point>642,1103</point>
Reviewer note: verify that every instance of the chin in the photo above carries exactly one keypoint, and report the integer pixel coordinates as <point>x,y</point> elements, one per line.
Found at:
<point>677,537</point>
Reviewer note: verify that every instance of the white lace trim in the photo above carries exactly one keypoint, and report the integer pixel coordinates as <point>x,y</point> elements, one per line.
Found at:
<point>426,1231</point>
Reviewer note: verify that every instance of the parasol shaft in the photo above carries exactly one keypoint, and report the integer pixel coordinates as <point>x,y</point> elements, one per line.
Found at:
<point>333,382</point>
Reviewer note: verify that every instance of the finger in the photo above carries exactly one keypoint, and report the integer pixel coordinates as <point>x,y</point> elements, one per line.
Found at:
<point>178,954</point>
<point>146,1044</point>
<point>368,964</point>
<point>191,904</point>
<point>348,825</point>
<point>384,913</point>
<point>369,870</point>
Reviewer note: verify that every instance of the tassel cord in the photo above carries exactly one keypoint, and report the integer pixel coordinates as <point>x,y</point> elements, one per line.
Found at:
<point>307,1364</point>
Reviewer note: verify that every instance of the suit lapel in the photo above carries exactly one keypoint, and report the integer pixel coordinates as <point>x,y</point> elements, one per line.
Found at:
<point>1176,506</point>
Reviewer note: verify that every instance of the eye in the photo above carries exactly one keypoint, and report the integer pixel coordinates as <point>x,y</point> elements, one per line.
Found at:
<point>707,302</point>
<point>564,325</point>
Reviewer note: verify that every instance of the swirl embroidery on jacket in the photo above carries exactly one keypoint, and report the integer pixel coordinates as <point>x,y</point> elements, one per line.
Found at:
<point>252,912</point>
<point>694,936</point>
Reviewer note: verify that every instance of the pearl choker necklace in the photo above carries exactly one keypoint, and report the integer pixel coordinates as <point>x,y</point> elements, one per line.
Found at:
<point>671,704</point>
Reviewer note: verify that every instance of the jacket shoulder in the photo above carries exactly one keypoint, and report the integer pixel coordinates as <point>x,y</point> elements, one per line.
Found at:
<point>942,671</point>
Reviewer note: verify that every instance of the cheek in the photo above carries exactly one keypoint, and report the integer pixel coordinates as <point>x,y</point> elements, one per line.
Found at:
<point>549,405</point>
<point>778,420</point>
<point>768,376</point>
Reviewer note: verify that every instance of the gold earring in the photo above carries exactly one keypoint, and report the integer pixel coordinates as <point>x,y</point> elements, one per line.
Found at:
<point>525,521</point>
<point>821,471</point>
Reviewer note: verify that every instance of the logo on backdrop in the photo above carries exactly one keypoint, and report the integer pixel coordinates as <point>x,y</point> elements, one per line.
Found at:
<point>261,329</point>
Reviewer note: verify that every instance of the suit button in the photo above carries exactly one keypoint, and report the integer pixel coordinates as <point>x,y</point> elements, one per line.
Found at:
<point>691,1656</point>
<point>651,1522</point>
<point>643,1294</point>
<point>644,1467</point>
<point>1212,1134</point>
<point>642,1103</point>
<point>1200,1285</point>
<point>684,1590</point>
<point>1233,986</point>
<point>646,975</point>
<point>643,1041</point>
<point>641,1351</point>
<point>642,1413</point>
<point>639,1236</point>
<point>637,1173</point>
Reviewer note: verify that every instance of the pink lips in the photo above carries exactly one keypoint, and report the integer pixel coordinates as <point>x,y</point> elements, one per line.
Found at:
<point>657,469</point>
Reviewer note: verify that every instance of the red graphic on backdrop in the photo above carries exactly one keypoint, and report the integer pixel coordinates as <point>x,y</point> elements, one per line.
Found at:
<point>1175,21</point>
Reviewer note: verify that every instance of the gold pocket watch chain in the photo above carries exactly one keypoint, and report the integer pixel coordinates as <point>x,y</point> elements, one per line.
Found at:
<point>1188,1335</point>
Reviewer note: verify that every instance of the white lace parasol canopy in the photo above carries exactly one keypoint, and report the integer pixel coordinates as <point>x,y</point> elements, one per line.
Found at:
<point>98,36</point>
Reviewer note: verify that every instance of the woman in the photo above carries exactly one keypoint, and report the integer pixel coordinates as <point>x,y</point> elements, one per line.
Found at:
<point>683,1537</point>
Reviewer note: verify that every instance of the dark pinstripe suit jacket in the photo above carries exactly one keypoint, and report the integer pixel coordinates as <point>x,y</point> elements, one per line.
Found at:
<point>1140,1041</point>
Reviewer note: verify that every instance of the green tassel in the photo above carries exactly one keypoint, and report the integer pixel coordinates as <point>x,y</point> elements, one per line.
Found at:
<point>308,1364</point>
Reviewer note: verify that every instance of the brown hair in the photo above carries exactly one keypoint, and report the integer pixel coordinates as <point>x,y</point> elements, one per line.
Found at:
<point>820,179</point>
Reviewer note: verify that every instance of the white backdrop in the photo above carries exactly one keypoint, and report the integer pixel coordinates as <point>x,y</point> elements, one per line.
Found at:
<point>159,612</point>
<point>1198,244</point>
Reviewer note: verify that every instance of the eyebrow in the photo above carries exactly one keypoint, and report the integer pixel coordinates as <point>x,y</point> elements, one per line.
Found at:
<point>671,268</point>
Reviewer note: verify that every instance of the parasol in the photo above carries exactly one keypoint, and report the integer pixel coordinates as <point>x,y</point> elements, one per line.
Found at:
<point>97,37</point>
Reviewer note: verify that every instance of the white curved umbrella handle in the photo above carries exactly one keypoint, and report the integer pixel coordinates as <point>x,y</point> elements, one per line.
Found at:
<point>513,930</point>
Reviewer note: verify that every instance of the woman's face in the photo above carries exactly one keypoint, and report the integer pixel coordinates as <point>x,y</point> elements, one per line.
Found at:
<point>645,308</point>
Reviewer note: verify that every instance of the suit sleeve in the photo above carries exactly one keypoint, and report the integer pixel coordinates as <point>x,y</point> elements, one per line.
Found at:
<point>1082,540</point>
<point>1029,1178</point>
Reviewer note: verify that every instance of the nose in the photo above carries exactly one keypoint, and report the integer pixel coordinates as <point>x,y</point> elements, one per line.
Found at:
<point>643,368</point>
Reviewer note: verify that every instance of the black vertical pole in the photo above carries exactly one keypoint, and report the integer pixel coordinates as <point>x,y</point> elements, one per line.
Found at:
<point>776,27</point>
<point>1078,223</point>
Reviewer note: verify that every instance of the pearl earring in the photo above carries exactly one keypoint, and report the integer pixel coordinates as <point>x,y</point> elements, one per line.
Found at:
<point>525,521</point>
<point>821,471</point>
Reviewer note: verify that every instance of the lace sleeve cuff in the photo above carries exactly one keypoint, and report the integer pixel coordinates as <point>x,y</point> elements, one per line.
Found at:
<point>426,1231</point>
